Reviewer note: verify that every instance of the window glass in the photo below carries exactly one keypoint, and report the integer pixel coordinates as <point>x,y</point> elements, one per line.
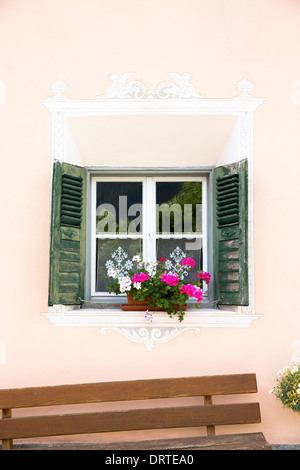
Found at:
<point>178,207</point>
<point>116,253</point>
<point>174,251</point>
<point>119,207</point>
<point>178,215</point>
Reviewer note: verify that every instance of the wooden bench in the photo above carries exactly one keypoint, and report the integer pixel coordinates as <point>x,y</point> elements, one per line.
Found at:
<point>144,418</point>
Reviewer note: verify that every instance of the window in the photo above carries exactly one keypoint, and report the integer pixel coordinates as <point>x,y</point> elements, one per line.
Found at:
<point>151,215</point>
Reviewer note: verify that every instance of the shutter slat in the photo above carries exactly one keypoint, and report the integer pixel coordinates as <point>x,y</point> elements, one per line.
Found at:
<point>227,200</point>
<point>71,201</point>
<point>72,177</point>
<point>227,209</point>
<point>71,213</point>
<point>67,220</point>
<point>69,207</point>
<point>227,220</point>
<point>71,185</point>
<point>76,182</point>
<point>71,192</point>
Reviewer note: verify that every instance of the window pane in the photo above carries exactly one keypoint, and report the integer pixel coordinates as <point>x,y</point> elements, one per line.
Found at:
<point>175,250</point>
<point>179,207</point>
<point>119,207</point>
<point>115,253</point>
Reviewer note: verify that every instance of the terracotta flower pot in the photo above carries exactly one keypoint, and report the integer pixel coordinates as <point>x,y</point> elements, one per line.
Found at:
<point>140,306</point>
<point>131,300</point>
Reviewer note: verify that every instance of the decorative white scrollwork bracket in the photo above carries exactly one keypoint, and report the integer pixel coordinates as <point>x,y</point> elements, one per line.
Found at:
<point>149,335</point>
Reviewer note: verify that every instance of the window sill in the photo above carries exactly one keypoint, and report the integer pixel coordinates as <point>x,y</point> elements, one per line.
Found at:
<point>135,327</point>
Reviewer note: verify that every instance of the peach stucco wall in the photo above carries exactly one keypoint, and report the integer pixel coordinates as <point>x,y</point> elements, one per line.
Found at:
<point>82,42</point>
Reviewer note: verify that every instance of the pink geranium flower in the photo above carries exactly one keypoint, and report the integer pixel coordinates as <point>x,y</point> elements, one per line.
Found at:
<point>189,261</point>
<point>205,276</point>
<point>192,291</point>
<point>171,279</point>
<point>142,277</point>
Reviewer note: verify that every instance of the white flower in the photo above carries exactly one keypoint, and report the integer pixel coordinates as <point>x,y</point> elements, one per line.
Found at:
<point>137,285</point>
<point>271,391</point>
<point>286,368</point>
<point>112,273</point>
<point>136,258</point>
<point>125,284</point>
<point>279,372</point>
<point>295,369</point>
<point>149,316</point>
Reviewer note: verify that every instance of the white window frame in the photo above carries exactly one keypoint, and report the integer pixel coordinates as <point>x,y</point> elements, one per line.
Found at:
<point>149,235</point>
<point>94,235</point>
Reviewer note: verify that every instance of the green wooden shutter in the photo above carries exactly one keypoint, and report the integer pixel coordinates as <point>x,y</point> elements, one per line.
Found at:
<point>231,234</point>
<point>68,232</point>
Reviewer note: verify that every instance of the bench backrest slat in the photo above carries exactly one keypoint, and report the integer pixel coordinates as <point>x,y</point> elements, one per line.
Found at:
<point>129,390</point>
<point>128,420</point>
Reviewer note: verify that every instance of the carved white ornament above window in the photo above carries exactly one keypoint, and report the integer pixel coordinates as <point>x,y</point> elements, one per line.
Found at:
<point>180,88</point>
<point>121,88</point>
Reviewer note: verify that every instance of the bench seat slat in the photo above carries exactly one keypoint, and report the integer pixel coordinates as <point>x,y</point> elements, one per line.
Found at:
<point>127,420</point>
<point>129,390</point>
<point>247,441</point>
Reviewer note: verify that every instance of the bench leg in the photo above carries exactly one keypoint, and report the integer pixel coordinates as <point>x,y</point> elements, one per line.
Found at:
<point>7,444</point>
<point>211,431</point>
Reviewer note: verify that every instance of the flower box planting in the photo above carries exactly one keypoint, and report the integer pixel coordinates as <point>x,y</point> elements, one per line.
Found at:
<point>149,287</point>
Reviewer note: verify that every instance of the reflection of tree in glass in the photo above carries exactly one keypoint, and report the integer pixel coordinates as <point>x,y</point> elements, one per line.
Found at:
<point>189,196</point>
